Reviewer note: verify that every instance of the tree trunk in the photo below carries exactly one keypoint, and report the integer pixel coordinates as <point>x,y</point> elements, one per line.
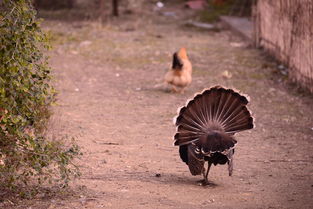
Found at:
<point>115,7</point>
<point>101,10</point>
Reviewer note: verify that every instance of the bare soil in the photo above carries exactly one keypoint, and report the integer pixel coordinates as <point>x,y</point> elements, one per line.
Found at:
<point>106,77</point>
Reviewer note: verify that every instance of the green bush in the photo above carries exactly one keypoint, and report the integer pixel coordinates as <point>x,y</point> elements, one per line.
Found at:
<point>25,96</point>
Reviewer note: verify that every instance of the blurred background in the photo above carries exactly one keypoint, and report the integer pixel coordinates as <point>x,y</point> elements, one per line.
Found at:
<point>275,26</point>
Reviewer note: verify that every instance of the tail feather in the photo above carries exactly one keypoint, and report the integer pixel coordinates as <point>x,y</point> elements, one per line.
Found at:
<point>215,109</point>
<point>177,62</point>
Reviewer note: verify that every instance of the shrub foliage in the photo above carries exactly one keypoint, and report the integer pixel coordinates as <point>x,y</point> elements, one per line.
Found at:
<point>25,96</point>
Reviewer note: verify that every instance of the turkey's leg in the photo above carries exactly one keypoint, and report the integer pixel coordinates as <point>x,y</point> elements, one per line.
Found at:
<point>205,175</point>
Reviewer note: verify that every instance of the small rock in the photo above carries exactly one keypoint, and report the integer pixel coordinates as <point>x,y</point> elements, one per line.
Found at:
<point>158,175</point>
<point>117,75</point>
<point>237,44</point>
<point>124,190</point>
<point>85,43</point>
<point>77,89</point>
<point>74,52</point>
<point>159,4</point>
<point>169,14</point>
<point>208,202</point>
<point>226,74</point>
<point>281,67</point>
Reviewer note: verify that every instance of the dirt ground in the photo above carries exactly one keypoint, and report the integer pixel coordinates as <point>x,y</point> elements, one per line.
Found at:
<point>106,77</point>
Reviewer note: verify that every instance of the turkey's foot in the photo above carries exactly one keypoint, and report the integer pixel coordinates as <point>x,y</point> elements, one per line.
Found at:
<point>203,182</point>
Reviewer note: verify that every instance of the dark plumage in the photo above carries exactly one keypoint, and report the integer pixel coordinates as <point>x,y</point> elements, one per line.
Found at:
<point>177,62</point>
<point>206,128</point>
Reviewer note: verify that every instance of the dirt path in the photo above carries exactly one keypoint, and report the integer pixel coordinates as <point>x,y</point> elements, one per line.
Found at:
<point>108,102</point>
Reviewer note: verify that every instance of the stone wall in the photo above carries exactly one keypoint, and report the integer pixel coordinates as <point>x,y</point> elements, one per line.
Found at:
<point>285,29</point>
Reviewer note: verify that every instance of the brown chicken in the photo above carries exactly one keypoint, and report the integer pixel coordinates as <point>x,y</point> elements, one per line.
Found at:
<point>206,126</point>
<point>179,76</point>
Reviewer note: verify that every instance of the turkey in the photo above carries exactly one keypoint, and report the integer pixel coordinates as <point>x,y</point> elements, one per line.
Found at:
<point>205,129</point>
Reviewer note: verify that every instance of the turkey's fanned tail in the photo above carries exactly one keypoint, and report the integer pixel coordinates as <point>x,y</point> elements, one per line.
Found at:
<point>215,109</point>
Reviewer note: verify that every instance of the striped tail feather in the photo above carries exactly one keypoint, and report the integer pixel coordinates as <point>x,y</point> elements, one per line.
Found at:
<point>215,109</point>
